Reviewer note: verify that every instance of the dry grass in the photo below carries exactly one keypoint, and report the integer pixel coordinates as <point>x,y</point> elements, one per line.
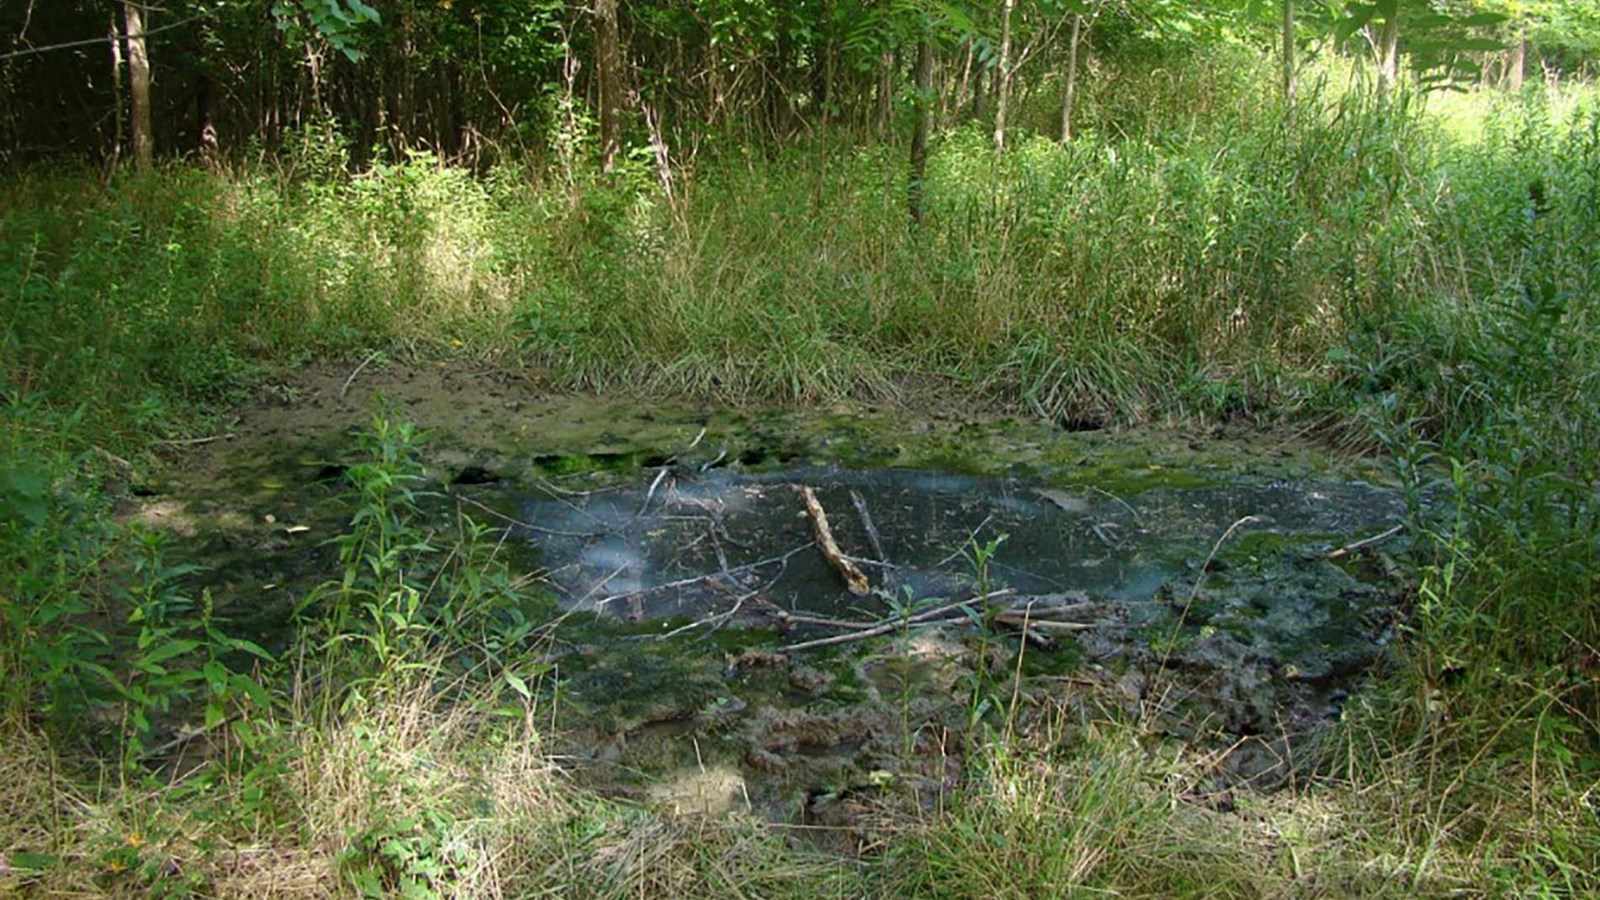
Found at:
<point>486,813</point>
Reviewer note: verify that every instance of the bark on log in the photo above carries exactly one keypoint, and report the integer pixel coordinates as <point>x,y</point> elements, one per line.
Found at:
<point>853,577</point>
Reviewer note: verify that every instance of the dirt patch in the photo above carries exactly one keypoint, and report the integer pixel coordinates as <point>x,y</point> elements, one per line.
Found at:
<point>477,411</point>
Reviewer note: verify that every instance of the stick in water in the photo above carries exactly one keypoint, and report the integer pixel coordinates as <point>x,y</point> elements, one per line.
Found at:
<point>853,577</point>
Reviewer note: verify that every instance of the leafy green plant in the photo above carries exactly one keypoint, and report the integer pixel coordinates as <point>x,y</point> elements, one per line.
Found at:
<point>413,600</point>
<point>980,557</point>
<point>414,857</point>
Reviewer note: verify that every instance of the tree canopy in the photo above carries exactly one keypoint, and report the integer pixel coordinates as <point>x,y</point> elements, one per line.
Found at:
<point>480,80</point>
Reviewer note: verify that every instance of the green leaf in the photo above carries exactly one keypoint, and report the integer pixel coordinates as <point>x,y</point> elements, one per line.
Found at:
<point>518,685</point>
<point>32,863</point>
<point>250,647</point>
<point>169,650</point>
<point>365,11</point>
<point>23,496</point>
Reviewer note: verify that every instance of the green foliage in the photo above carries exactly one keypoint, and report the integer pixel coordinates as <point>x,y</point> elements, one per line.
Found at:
<point>415,857</point>
<point>339,22</point>
<point>412,604</point>
<point>1488,413</point>
<point>99,638</point>
<point>1187,256</point>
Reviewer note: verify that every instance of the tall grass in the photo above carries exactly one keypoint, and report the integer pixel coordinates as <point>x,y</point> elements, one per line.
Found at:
<point>1185,265</point>
<point>1429,284</point>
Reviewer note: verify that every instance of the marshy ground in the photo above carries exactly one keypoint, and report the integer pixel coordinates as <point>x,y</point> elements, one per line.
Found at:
<point>1206,588</point>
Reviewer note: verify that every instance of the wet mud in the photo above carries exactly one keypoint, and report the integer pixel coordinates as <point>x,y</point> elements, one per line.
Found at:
<point>1211,598</point>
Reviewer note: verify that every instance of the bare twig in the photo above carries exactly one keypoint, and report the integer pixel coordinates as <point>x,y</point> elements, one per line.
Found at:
<point>789,618</point>
<point>191,442</point>
<point>892,624</point>
<point>30,51</point>
<point>1137,519</point>
<point>865,514</point>
<point>345,388</point>
<point>697,579</point>
<point>113,458</point>
<point>1348,549</point>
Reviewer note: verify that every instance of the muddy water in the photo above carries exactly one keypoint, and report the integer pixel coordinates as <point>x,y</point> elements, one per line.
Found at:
<point>1222,612</point>
<point>672,544</point>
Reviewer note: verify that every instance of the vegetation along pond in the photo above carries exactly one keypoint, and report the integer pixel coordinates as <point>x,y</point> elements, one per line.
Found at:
<point>790,607</point>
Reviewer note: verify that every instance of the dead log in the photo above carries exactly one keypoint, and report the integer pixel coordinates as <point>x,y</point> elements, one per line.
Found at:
<point>853,577</point>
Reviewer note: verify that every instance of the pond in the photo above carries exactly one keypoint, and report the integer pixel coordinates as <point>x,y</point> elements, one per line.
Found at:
<point>730,644</point>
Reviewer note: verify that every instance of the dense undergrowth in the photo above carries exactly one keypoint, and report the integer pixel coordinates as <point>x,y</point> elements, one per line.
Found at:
<point>1371,270</point>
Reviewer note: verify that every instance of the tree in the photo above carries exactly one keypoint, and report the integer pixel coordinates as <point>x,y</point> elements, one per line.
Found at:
<point>1560,33</point>
<point>608,74</point>
<point>919,131</point>
<point>1003,76</point>
<point>138,84</point>
<point>1288,63</point>
<point>1083,13</point>
<point>1438,44</point>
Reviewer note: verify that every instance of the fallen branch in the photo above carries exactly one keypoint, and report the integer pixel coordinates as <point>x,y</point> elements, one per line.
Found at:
<point>345,388</point>
<point>892,624</point>
<point>860,503</point>
<point>853,577</point>
<point>1348,549</point>
<point>1022,620</point>
<point>709,576</point>
<point>785,617</point>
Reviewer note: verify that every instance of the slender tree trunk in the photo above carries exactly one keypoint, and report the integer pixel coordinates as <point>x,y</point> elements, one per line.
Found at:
<point>1289,86</point>
<point>830,68</point>
<point>138,84</point>
<point>966,77</point>
<point>1069,96</point>
<point>1003,74</point>
<point>979,92</point>
<point>608,72</point>
<point>1389,52</point>
<point>116,87</point>
<point>1516,63</point>
<point>919,132</point>
<point>885,93</point>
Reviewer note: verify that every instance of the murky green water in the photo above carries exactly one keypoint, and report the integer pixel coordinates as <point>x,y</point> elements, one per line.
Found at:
<point>677,544</point>
<point>1206,559</point>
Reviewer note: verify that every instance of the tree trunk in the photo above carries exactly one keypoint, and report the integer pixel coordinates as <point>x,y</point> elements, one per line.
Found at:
<point>919,132</point>
<point>138,84</point>
<point>1288,63</point>
<point>966,79</point>
<point>1069,96</point>
<point>116,87</point>
<point>1516,63</point>
<point>885,93</point>
<point>1389,52</point>
<point>1003,74</point>
<point>608,72</point>
<point>830,68</point>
